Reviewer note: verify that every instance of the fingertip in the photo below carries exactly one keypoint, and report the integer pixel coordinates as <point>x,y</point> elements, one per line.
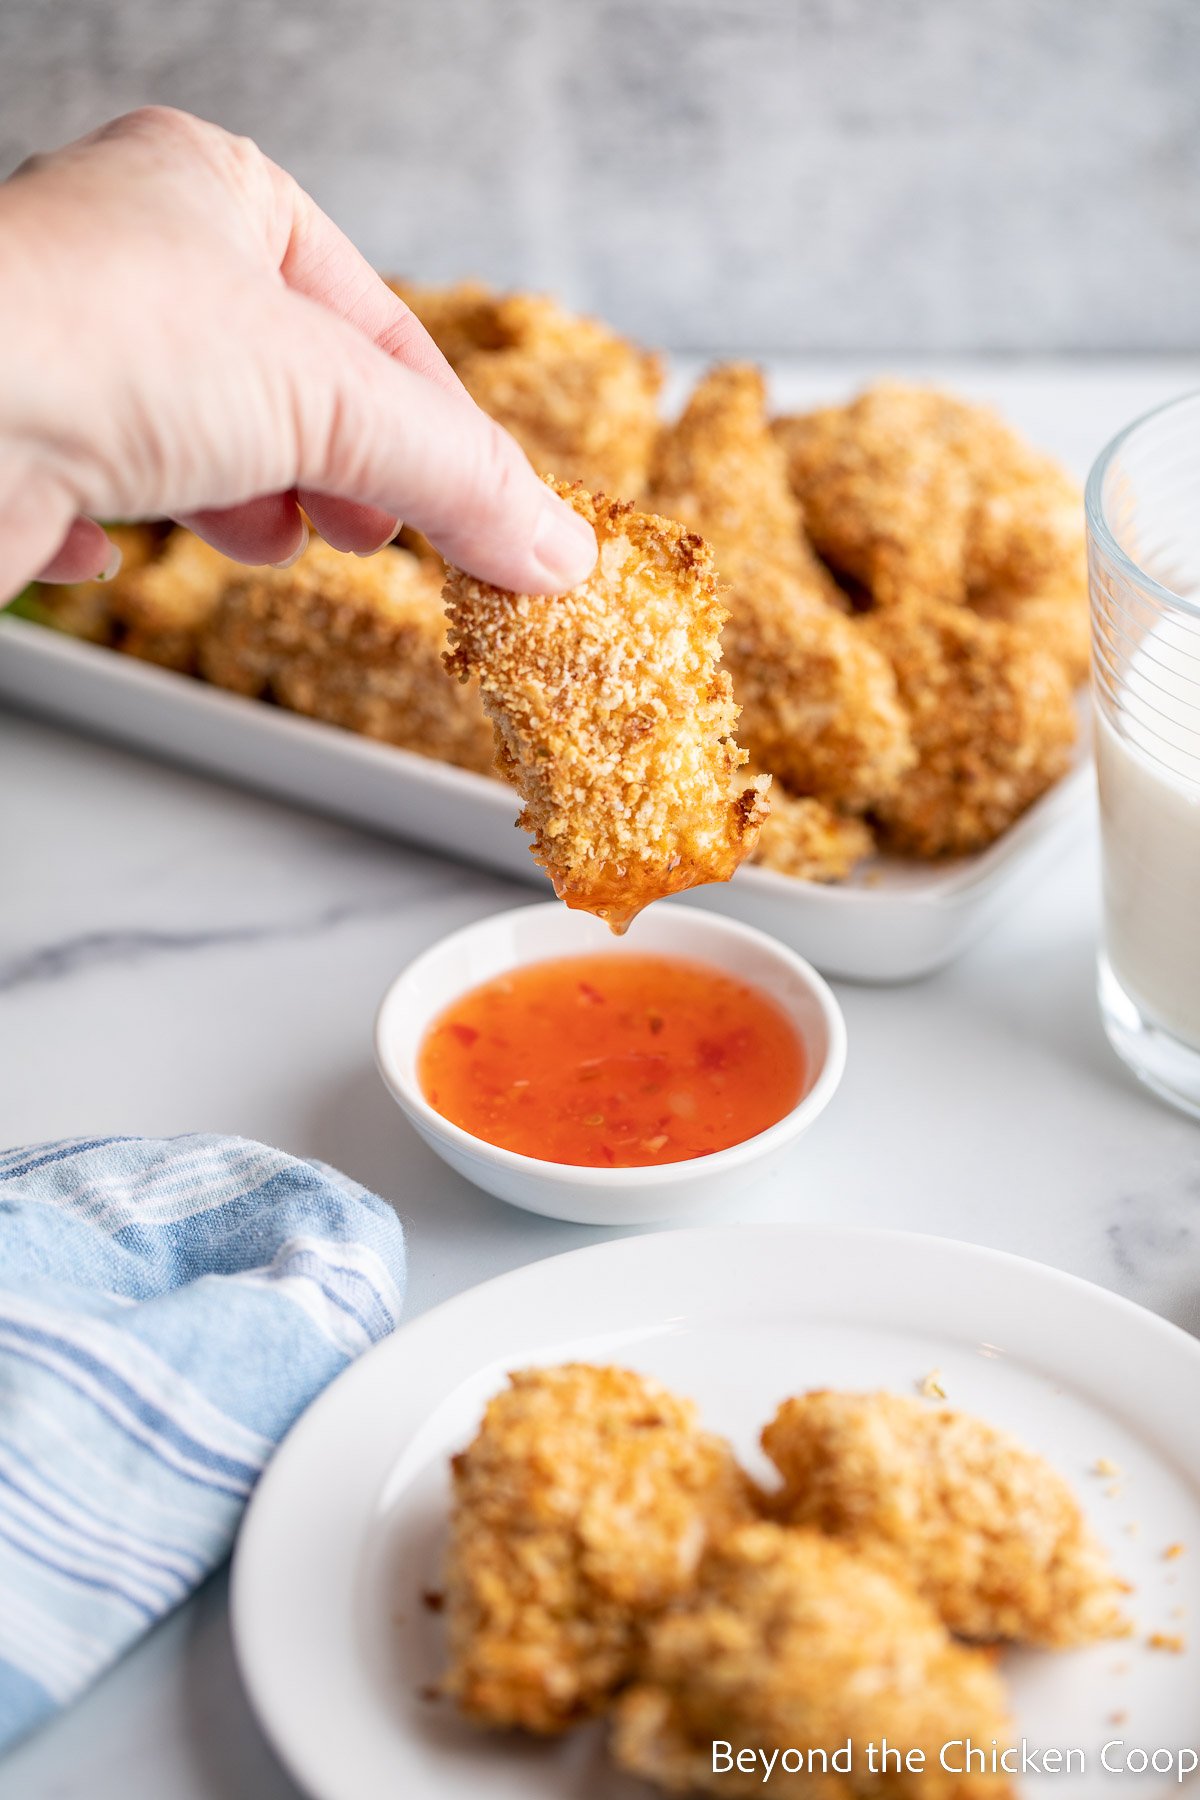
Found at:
<point>87,553</point>
<point>345,525</point>
<point>258,532</point>
<point>564,547</point>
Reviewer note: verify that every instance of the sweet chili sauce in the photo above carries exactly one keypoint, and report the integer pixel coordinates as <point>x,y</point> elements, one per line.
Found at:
<point>613,1061</point>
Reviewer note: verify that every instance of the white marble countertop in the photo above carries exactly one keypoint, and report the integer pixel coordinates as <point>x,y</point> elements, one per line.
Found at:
<point>176,956</point>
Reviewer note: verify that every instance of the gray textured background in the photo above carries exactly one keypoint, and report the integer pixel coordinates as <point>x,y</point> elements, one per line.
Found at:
<point>813,175</point>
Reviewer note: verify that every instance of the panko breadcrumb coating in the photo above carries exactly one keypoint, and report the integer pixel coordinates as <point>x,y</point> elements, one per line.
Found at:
<point>807,840</point>
<point>992,720</point>
<point>581,401</point>
<point>790,1641</point>
<point>357,642</point>
<point>989,1531</point>
<point>918,496</point>
<point>581,1508</point>
<point>819,704</point>
<point>612,718</point>
<point>164,605</point>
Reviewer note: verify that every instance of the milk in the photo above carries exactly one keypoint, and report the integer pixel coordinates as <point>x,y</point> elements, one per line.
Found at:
<point>1150,814</point>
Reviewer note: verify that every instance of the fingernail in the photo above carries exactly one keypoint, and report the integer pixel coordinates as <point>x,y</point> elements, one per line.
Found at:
<point>383,542</point>
<point>564,545</point>
<point>298,552</point>
<point>112,565</point>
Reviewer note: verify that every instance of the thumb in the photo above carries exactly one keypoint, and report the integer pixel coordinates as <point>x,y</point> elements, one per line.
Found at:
<point>373,431</point>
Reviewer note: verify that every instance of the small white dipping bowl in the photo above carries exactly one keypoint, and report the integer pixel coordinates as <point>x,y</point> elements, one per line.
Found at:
<point>590,1196</point>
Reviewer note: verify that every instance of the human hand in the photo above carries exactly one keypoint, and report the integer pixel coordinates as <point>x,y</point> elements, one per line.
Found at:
<point>184,334</point>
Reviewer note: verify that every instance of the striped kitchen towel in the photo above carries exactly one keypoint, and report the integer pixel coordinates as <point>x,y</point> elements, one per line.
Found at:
<point>168,1306</point>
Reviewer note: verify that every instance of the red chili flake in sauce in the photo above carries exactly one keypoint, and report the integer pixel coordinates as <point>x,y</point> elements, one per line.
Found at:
<point>671,1059</point>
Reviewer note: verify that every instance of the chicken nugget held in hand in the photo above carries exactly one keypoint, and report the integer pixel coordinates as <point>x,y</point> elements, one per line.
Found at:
<point>612,717</point>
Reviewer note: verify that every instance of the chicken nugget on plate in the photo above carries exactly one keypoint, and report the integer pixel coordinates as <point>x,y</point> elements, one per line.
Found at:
<point>581,1508</point>
<point>356,642</point>
<point>612,718</point>
<point>991,716</point>
<point>790,1642</point>
<point>988,1530</point>
<point>819,702</point>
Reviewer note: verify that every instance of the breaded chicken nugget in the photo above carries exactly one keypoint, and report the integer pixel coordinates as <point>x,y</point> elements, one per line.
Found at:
<point>819,703</point>
<point>986,1529</point>
<point>1054,616</point>
<point>583,1506</point>
<point>886,500</point>
<point>919,496</point>
<point>160,610</point>
<point>581,401</point>
<point>790,1642</point>
<point>991,717</point>
<point>355,642</point>
<point>612,718</point>
<point>807,840</point>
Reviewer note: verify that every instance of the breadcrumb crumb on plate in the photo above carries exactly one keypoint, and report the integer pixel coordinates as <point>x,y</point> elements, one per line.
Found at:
<point>612,717</point>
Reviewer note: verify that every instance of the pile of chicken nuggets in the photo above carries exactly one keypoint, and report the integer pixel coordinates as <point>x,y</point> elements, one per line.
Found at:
<point>610,1558</point>
<point>895,588</point>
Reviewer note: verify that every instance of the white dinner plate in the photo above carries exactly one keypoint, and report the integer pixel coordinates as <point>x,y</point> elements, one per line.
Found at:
<point>345,1532</point>
<point>894,920</point>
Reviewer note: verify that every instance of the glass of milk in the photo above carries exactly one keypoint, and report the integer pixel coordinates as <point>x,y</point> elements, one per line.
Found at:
<point>1143,505</point>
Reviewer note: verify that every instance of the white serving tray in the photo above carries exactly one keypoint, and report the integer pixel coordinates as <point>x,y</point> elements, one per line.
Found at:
<point>894,921</point>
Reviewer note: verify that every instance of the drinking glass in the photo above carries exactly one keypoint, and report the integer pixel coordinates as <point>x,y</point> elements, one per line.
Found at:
<point>1143,520</point>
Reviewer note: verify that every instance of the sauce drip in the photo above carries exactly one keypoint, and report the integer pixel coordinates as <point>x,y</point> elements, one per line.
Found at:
<point>615,1061</point>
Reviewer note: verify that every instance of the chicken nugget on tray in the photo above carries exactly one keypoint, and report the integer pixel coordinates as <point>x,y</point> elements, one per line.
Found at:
<point>916,496</point>
<point>987,1530</point>
<point>804,838</point>
<point>581,1508</point>
<point>163,606</point>
<point>992,720</point>
<point>612,718</point>
<point>819,702</point>
<point>790,1642</point>
<point>581,400</point>
<point>356,642</point>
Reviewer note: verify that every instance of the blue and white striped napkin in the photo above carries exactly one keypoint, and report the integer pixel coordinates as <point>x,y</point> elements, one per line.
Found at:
<point>167,1308</point>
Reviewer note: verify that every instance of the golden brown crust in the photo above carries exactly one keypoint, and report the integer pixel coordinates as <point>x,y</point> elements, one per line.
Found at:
<point>809,841</point>
<point>790,1641</point>
<point>581,1508</point>
<point>819,704</point>
<point>357,642</point>
<point>611,715</point>
<point>919,496</point>
<point>160,610</point>
<point>581,401</point>
<point>992,720</point>
<point>985,1528</point>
